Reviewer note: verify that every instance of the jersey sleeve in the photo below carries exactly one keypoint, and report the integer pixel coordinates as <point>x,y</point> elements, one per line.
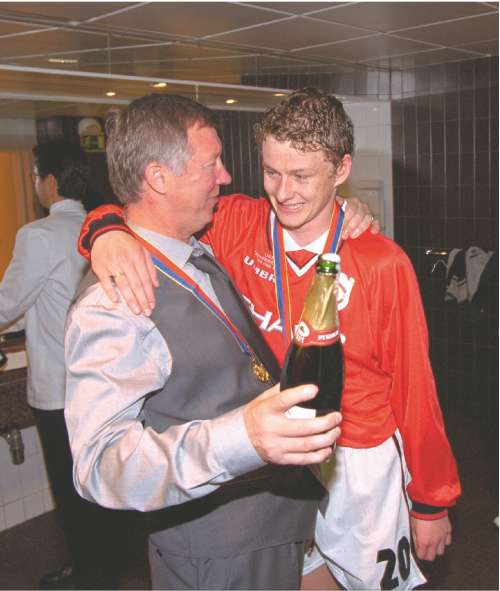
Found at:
<point>237,215</point>
<point>404,352</point>
<point>227,228</point>
<point>104,218</point>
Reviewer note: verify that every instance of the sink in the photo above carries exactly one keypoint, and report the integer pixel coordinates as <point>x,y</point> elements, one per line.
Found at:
<point>15,360</point>
<point>12,345</point>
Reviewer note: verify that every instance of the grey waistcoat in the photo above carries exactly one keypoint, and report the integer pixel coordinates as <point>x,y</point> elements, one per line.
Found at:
<point>211,376</point>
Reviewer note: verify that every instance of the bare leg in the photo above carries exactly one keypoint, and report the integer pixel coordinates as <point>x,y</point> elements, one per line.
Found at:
<point>319,579</point>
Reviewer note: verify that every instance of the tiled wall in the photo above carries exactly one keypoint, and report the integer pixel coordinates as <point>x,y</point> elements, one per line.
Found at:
<point>371,174</point>
<point>24,488</point>
<point>445,148</point>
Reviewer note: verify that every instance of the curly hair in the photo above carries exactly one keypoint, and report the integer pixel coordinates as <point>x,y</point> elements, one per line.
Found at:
<point>311,120</point>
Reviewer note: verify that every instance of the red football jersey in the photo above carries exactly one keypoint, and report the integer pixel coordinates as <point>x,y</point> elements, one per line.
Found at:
<point>388,376</point>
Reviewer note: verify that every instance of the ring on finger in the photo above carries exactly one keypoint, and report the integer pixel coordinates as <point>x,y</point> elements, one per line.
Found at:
<point>117,274</point>
<point>372,219</point>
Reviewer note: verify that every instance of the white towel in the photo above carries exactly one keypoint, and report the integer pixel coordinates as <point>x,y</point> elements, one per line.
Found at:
<point>456,282</point>
<point>475,262</point>
<point>463,273</point>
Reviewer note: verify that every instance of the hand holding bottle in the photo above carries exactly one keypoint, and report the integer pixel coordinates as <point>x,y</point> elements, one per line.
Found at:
<point>281,440</point>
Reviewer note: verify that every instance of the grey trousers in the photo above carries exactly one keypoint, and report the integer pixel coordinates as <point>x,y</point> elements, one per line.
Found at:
<point>279,567</point>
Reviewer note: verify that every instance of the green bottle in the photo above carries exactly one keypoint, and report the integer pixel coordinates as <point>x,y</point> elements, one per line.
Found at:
<point>315,355</point>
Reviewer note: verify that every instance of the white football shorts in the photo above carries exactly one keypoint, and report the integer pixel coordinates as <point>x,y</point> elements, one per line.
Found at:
<point>364,536</point>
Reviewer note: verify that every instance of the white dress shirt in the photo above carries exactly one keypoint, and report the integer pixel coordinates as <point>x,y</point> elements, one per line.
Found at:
<point>115,359</point>
<point>40,282</point>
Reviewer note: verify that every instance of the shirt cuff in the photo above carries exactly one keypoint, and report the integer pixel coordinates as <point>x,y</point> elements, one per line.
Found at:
<point>233,447</point>
<point>427,512</point>
<point>99,221</point>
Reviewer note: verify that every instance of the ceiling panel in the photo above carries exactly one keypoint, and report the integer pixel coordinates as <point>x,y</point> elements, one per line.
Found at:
<point>8,28</point>
<point>195,19</point>
<point>456,32</point>
<point>64,11</point>
<point>363,49</point>
<point>292,34</point>
<point>54,42</point>
<point>154,52</point>
<point>390,16</point>
<point>206,72</point>
<point>483,47</point>
<point>297,7</point>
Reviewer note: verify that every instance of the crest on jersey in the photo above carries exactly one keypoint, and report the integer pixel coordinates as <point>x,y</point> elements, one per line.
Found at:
<point>344,288</point>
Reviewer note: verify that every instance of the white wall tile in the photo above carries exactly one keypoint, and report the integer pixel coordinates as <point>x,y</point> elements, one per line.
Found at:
<point>385,140</point>
<point>354,110</point>
<point>42,472</point>
<point>11,488</point>
<point>14,513</point>
<point>365,167</point>
<point>371,114</point>
<point>31,480</point>
<point>384,112</point>
<point>5,457</point>
<point>48,500</point>
<point>373,153</point>
<point>31,441</point>
<point>361,140</point>
<point>33,505</point>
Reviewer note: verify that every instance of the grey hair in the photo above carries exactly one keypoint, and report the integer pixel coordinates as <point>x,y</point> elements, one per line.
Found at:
<point>152,128</point>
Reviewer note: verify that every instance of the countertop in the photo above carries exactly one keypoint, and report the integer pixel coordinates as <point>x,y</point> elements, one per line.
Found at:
<point>14,410</point>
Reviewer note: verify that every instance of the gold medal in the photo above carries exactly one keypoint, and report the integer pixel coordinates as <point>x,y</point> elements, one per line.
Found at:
<point>259,371</point>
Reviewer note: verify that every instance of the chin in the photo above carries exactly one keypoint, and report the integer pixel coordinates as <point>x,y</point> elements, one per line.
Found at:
<point>290,222</point>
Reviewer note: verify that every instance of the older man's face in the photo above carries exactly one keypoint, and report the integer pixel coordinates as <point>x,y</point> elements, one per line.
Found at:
<point>195,192</point>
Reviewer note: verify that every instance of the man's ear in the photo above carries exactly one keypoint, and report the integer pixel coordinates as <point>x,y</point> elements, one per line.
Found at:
<point>343,170</point>
<point>51,181</point>
<point>155,176</point>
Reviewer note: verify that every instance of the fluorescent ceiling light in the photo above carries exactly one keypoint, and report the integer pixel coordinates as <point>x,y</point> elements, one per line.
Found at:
<point>62,60</point>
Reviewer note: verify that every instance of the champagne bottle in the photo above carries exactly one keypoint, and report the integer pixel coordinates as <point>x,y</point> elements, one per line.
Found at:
<point>315,355</point>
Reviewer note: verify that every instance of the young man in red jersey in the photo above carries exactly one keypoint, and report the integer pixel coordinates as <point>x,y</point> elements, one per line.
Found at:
<point>394,475</point>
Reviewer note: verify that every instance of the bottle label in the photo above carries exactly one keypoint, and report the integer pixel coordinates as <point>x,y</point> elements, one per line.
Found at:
<point>299,412</point>
<point>305,336</point>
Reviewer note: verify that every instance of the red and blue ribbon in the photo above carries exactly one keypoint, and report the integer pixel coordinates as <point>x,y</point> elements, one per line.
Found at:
<point>281,269</point>
<point>177,275</point>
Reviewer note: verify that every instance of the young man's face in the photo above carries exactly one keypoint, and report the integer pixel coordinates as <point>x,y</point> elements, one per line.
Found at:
<point>301,187</point>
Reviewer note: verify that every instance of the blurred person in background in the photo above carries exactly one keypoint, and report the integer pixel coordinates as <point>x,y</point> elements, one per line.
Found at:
<point>39,283</point>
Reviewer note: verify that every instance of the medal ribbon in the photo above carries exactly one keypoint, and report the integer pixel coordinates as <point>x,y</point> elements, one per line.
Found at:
<point>281,268</point>
<point>177,275</point>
